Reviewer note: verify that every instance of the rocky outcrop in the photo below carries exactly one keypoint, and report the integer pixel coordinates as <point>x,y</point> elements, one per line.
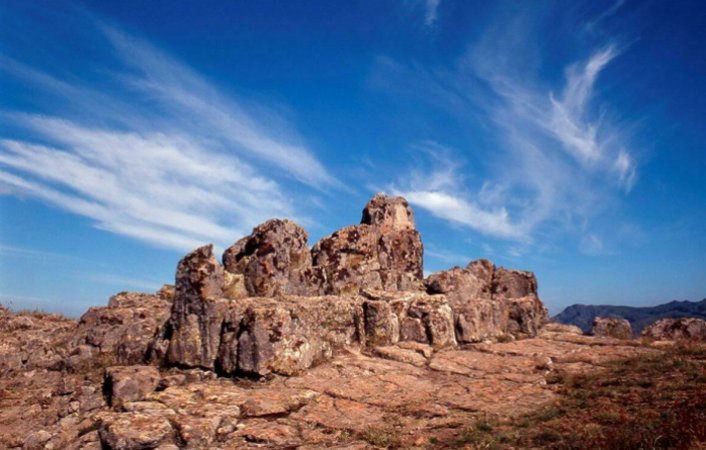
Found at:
<point>611,327</point>
<point>397,363</point>
<point>489,302</point>
<point>518,290</point>
<point>411,317</point>
<point>685,328</point>
<point>196,316</point>
<point>384,252</point>
<point>130,330</point>
<point>361,285</point>
<point>33,340</point>
<point>289,334</point>
<point>274,260</point>
<point>129,383</point>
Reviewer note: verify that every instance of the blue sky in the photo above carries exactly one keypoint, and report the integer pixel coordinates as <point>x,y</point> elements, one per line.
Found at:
<point>565,138</point>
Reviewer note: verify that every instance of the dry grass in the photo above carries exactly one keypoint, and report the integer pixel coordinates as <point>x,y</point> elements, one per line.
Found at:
<point>650,402</point>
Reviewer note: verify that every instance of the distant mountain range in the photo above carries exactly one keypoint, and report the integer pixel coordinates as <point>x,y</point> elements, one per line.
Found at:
<point>639,317</point>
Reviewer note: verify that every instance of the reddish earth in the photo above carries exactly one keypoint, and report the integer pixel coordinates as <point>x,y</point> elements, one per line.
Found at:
<point>404,395</point>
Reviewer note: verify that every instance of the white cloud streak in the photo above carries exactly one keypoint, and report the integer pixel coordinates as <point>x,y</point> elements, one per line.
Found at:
<point>431,11</point>
<point>441,193</point>
<point>178,88</point>
<point>188,173</point>
<point>557,162</point>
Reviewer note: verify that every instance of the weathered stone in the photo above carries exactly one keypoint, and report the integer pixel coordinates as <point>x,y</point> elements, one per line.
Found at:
<point>134,431</point>
<point>388,213</point>
<point>290,334</point>
<point>613,327</point>
<point>128,331</point>
<point>677,329</point>
<point>274,260</point>
<point>407,316</point>
<point>469,291</point>
<point>130,383</point>
<point>508,283</point>
<point>197,312</point>
<point>554,327</point>
<point>382,326</point>
<point>489,302</point>
<point>526,315</point>
<point>384,252</point>
<point>260,335</point>
<point>36,440</point>
<point>518,289</point>
<point>196,431</point>
<point>234,285</point>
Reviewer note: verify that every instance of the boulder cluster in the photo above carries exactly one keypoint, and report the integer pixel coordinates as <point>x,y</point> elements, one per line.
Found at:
<point>151,371</point>
<point>683,328</point>
<point>273,304</point>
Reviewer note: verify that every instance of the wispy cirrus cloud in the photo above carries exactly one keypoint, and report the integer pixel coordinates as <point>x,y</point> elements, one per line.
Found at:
<point>162,155</point>
<point>443,193</point>
<point>431,12</point>
<point>560,157</point>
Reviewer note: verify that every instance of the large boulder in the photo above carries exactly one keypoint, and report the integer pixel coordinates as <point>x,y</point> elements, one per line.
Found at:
<point>384,252</point>
<point>677,329</point>
<point>489,303</point>
<point>283,335</point>
<point>134,431</point>
<point>290,334</point>
<point>389,318</point>
<point>130,330</point>
<point>518,290</point>
<point>196,316</point>
<point>274,260</point>
<point>477,315</point>
<point>614,327</point>
<point>388,213</point>
<point>129,383</point>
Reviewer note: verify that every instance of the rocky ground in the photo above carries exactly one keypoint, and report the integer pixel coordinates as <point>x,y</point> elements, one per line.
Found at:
<point>280,344</point>
<point>406,395</point>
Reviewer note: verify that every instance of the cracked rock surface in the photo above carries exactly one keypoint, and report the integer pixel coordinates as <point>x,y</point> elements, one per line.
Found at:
<point>285,346</point>
<point>413,387</point>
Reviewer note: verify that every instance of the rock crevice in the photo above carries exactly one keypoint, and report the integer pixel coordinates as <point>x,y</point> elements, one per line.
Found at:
<point>276,306</point>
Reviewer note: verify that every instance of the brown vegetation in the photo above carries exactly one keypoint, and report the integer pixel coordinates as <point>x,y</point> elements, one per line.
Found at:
<point>651,401</point>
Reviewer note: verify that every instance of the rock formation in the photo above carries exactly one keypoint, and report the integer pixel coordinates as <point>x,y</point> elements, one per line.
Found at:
<point>130,330</point>
<point>350,323</point>
<point>677,329</point>
<point>614,327</point>
<point>275,306</point>
<point>384,252</point>
<point>489,302</point>
<point>424,389</point>
<point>274,260</point>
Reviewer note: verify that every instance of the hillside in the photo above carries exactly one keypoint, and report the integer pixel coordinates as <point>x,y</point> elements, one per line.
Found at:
<point>639,317</point>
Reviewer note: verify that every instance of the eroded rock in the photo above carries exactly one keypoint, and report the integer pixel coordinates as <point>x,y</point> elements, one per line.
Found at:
<point>273,260</point>
<point>130,330</point>
<point>677,329</point>
<point>134,431</point>
<point>130,383</point>
<point>384,252</point>
<point>195,317</point>
<point>489,303</point>
<point>613,327</point>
